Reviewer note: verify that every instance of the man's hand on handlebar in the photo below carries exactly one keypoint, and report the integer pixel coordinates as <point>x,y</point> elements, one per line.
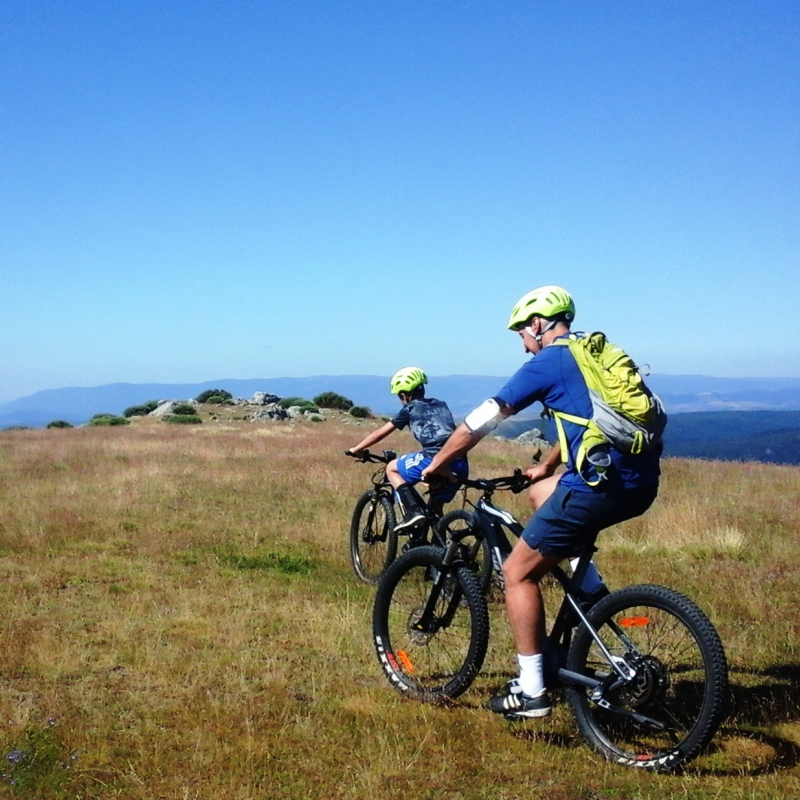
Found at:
<point>439,475</point>
<point>539,472</point>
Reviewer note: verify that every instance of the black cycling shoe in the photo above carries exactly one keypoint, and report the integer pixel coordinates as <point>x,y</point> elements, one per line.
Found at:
<point>512,703</point>
<point>411,523</point>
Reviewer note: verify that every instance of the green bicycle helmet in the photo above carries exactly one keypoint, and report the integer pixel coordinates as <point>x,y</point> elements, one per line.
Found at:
<point>546,301</point>
<point>407,379</point>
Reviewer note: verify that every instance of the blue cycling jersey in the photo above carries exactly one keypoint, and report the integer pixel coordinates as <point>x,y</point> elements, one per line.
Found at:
<point>430,421</point>
<point>554,379</point>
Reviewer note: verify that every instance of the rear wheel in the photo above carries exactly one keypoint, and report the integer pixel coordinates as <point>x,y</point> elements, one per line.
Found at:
<point>429,648</point>
<point>474,548</point>
<point>373,542</point>
<point>663,715</point>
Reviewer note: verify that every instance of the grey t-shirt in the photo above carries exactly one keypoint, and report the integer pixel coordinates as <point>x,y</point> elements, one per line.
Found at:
<point>430,421</point>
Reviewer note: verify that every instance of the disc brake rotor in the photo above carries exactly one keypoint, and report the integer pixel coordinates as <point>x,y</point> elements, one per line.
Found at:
<point>649,684</point>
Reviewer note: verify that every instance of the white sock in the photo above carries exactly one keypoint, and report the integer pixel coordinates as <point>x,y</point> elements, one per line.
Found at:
<point>531,674</point>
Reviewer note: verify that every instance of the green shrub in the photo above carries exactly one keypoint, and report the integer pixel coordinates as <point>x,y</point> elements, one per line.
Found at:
<point>305,405</point>
<point>59,423</point>
<point>361,412</point>
<point>333,400</point>
<point>184,409</point>
<point>219,396</point>
<point>280,562</point>
<point>182,419</point>
<point>107,419</point>
<point>142,410</point>
<point>286,402</point>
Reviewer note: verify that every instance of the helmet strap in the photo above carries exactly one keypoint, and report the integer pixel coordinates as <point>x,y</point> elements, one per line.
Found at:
<point>546,326</point>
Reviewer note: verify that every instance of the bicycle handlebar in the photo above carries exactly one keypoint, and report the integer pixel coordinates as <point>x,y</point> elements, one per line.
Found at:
<point>372,458</point>
<point>515,483</point>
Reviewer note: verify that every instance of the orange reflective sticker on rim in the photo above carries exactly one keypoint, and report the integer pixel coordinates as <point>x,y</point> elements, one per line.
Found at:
<point>405,660</point>
<point>634,622</point>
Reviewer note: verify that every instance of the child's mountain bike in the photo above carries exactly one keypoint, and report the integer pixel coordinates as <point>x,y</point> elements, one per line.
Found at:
<point>373,540</point>
<point>643,669</point>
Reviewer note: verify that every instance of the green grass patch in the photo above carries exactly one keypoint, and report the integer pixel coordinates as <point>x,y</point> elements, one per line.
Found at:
<point>36,764</point>
<point>278,562</point>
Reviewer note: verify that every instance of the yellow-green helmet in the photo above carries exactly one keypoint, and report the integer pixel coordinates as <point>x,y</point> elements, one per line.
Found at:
<point>407,379</point>
<point>546,301</point>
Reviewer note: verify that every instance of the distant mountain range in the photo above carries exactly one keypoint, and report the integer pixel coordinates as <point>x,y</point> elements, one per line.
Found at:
<point>765,428</point>
<point>767,436</point>
<point>681,394</point>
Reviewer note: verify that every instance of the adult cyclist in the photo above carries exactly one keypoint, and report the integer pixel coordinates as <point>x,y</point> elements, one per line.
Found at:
<point>571,512</point>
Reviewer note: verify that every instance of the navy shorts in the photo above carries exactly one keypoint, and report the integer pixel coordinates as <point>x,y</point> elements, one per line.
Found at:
<point>410,467</point>
<point>570,519</point>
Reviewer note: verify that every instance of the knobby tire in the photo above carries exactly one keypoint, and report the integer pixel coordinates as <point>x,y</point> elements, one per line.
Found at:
<point>474,551</point>
<point>444,660</point>
<point>373,541</point>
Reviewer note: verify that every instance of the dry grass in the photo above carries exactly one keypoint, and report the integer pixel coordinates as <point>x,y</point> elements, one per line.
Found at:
<point>180,621</point>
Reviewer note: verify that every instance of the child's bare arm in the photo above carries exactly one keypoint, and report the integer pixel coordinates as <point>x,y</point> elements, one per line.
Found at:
<point>374,437</point>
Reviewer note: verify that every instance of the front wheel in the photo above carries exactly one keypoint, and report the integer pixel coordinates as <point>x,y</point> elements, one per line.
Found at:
<point>373,541</point>
<point>431,632</point>
<point>675,696</point>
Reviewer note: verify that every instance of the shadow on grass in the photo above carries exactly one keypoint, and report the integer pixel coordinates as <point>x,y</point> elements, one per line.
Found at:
<point>745,745</point>
<point>766,697</point>
<point>759,699</point>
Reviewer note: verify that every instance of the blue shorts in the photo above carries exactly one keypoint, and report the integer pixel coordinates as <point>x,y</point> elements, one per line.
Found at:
<point>410,467</point>
<point>570,519</point>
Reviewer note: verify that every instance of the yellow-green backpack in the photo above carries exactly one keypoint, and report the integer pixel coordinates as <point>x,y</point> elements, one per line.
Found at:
<point>625,413</point>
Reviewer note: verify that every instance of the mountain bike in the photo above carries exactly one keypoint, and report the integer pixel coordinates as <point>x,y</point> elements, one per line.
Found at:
<point>373,539</point>
<point>643,669</point>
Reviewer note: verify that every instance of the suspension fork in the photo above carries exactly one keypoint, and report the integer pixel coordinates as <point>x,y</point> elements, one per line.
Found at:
<point>427,622</point>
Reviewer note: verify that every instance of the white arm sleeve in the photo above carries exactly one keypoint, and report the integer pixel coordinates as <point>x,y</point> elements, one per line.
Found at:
<point>486,417</point>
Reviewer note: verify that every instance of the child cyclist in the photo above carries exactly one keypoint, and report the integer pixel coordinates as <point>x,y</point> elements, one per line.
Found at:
<point>431,424</point>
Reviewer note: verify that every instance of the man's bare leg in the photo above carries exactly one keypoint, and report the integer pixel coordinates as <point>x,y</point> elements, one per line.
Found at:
<point>522,571</point>
<point>526,697</point>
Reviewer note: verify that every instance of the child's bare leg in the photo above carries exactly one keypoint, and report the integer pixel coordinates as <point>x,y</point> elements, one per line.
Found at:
<point>393,475</point>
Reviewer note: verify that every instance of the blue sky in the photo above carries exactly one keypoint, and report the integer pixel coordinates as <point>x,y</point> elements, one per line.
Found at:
<point>201,190</point>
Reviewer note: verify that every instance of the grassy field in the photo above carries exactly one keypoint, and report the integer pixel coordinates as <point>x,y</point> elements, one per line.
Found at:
<point>180,620</point>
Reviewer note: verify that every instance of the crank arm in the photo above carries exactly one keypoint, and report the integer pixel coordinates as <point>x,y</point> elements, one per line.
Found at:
<point>645,722</point>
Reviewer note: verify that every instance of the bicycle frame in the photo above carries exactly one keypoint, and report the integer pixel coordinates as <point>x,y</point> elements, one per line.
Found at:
<point>492,523</point>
